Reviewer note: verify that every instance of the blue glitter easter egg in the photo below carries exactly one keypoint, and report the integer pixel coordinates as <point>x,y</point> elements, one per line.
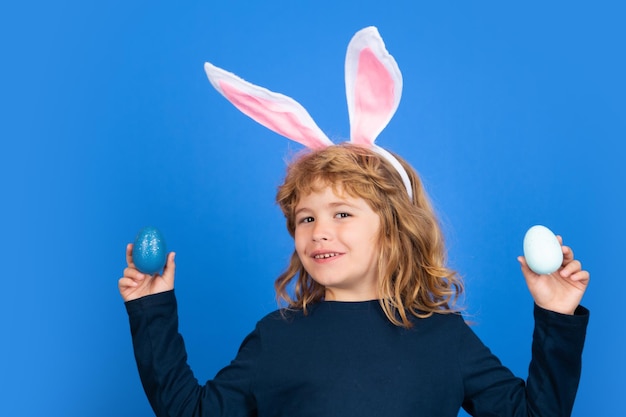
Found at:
<point>149,251</point>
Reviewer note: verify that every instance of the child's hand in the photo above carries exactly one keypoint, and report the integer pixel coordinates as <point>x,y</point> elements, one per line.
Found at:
<point>562,290</point>
<point>135,284</point>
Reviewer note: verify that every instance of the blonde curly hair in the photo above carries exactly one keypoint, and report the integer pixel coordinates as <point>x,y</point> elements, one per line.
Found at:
<point>413,279</point>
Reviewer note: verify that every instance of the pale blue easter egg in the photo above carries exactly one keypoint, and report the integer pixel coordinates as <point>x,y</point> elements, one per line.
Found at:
<point>149,250</point>
<point>542,250</point>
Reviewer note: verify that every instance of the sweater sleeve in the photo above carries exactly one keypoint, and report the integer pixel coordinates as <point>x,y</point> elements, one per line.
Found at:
<point>168,382</point>
<point>554,372</point>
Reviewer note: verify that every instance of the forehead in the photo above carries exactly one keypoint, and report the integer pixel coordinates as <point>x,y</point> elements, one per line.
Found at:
<point>320,187</point>
<point>328,194</point>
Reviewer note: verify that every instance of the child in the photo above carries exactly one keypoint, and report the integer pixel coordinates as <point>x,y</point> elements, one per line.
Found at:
<point>371,327</point>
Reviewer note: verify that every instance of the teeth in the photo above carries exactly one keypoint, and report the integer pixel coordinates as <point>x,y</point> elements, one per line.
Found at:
<point>325,255</point>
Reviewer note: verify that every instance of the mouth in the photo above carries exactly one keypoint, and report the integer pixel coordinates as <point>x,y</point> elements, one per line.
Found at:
<point>325,255</point>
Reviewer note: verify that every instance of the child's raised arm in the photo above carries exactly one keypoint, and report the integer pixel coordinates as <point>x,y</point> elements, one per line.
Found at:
<point>135,284</point>
<point>562,290</point>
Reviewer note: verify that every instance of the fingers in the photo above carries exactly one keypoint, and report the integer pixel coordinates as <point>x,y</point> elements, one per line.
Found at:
<point>126,282</point>
<point>170,268</point>
<point>526,271</point>
<point>582,277</point>
<point>132,278</point>
<point>568,256</point>
<point>571,268</point>
<point>129,255</point>
<point>523,264</point>
<point>135,284</point>
<point>132,273</point>
<point>574,271</point>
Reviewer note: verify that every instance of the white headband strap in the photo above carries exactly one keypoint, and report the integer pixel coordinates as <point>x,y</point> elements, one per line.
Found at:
<point>398,166</point>
<point>373,91</point>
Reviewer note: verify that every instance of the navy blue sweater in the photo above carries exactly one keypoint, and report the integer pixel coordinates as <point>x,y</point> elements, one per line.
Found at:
<point>347,359</point>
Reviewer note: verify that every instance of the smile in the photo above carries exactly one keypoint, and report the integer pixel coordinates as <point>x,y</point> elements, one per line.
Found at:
<point>325,255</point>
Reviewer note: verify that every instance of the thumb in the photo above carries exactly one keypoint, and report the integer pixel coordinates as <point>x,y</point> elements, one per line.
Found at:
<point>170,268</point>
<point>528,273</point>
<point>524,266</point>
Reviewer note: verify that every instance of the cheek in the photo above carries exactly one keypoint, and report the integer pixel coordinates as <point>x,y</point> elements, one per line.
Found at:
<point>375,244</point>
<point>299,242</point>
<point>374,233</point>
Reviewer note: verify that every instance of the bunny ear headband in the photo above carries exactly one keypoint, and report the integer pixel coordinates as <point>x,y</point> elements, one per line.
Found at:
<point>373,90</point>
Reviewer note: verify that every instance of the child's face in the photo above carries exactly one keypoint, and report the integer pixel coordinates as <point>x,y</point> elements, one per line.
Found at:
<point>336,240</point>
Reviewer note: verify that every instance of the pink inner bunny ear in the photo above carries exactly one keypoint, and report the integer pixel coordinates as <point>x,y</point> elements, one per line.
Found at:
<point>275,111</point>
<point>373,86</point>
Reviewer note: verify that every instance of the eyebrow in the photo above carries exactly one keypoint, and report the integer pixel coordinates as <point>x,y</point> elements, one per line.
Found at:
<point>333,204</point>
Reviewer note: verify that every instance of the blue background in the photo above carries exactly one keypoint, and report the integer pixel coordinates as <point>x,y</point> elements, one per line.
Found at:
<point>513,114</point>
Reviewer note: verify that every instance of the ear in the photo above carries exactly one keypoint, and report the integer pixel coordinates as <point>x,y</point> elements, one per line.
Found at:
<point>275,111</point>
<point>373,86</point>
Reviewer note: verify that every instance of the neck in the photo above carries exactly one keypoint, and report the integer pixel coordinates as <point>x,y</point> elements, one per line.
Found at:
<point>333,294</point>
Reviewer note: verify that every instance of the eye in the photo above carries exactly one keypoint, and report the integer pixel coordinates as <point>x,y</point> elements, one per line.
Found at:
<point>342,215</point>
<point>308,219</point>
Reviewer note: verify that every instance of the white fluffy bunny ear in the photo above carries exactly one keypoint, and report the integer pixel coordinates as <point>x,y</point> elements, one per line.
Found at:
<point>373,86</point>
<point>275,111</point>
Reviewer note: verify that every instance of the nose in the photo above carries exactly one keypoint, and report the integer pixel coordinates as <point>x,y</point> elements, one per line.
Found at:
<point>321,231</point>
